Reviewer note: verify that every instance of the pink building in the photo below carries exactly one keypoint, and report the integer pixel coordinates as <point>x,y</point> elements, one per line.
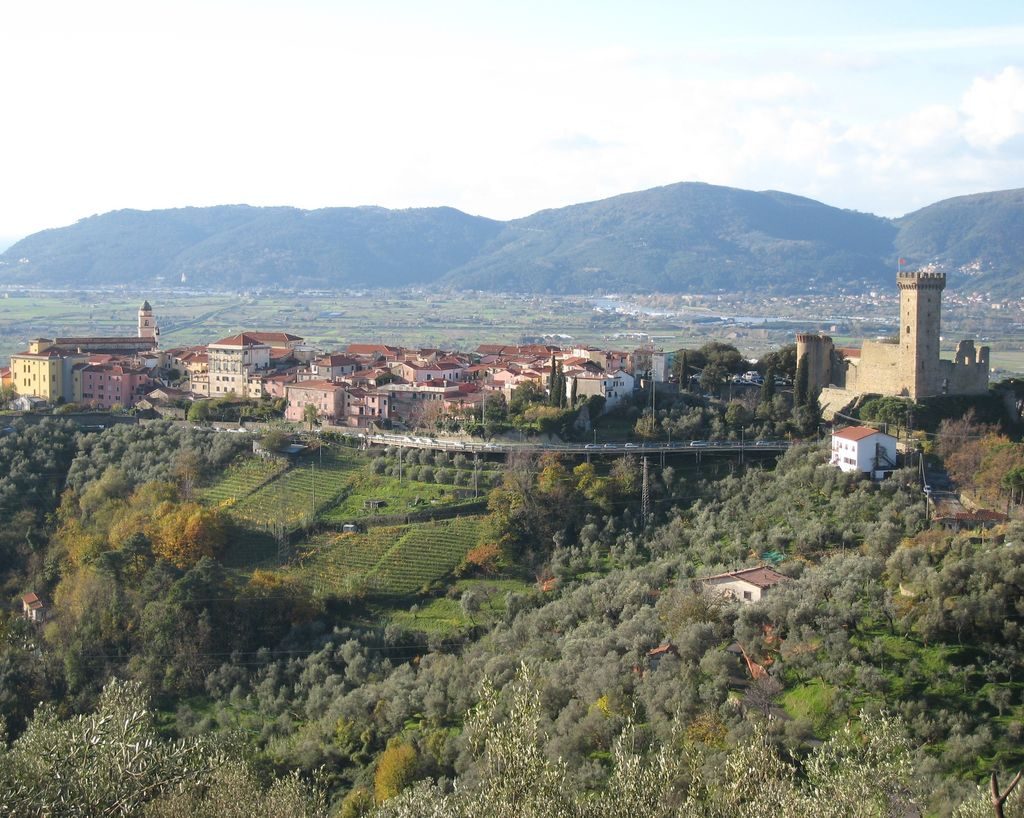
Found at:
<point>337,404</point>
<point>327,397</point>
<point>363,407</point>
<point>104,385</point>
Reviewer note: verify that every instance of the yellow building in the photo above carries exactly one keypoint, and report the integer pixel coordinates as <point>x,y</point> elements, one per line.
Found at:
<point>45,372</point>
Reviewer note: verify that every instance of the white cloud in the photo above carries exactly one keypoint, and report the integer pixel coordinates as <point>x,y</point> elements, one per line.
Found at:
<point>160,105</point>
<point>994,108</point>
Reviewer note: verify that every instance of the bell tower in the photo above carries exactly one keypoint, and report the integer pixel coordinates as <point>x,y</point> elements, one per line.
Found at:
<point>920,308</point>
<point>147,322</point>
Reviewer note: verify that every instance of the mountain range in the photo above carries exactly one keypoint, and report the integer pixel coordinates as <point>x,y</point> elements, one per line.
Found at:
<point>685,237</point>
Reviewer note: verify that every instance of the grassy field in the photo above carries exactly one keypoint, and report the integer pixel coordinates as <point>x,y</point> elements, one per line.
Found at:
<point>387,560</point>
<point>446,614</point>
<point>398,495</point>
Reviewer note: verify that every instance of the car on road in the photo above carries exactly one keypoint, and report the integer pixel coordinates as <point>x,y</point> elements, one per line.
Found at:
<point>632,446</point>
<point>699,443</point>
<point>592,446</point>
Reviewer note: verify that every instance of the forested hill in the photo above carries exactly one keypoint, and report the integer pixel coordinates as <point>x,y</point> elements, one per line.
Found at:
<point>980,238</point>
<point>233,246</point>
<point>679,238</point>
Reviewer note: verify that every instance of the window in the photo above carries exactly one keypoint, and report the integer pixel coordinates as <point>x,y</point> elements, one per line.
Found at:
<point>747,596</point>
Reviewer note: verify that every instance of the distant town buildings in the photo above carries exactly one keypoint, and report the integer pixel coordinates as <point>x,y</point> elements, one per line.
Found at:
<point>363,385</point>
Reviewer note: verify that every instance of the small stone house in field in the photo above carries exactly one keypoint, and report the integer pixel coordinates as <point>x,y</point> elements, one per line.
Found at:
<point>746,585</point>
<point>865,450</point>
<point>33,608</point>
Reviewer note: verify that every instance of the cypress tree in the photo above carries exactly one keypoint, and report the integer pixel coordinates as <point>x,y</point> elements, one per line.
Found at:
<point>768,387</point>
<point>572,395</point>
<point>553,383</point>
<point>800,389</point>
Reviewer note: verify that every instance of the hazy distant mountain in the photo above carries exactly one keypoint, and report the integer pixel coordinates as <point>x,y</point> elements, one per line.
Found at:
<point>234,246</point>
<point>683,237</point>
<point>978,240</point>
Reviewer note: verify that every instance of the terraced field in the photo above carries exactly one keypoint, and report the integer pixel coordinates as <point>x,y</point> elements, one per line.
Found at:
<point>304,489</point>
<point>240,480</point>
<point>388,560</point>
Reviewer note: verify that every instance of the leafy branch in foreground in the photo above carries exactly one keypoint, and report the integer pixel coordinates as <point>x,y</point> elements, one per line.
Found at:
<point>113,763</point>
<point>865,770</point>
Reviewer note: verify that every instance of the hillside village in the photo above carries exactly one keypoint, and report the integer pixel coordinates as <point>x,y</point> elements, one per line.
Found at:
<point>380,384</point>
<point>360,386</point>
<point>340,596</point>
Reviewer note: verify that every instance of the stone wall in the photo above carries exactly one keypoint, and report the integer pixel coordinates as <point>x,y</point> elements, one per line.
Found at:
<point>879,370</point>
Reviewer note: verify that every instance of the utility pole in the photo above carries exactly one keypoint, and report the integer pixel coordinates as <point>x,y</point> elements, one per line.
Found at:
<point>645,496</point>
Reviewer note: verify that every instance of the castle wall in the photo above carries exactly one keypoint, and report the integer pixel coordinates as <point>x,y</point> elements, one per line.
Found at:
<point>909,366</point>
<point>967,373</point>
<point>879,370</point>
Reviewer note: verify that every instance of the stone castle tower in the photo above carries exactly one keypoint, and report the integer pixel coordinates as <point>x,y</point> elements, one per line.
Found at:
<point>907,365</point>
<point>147,322</point>
<point>819,350</point>
<point>920,308</point>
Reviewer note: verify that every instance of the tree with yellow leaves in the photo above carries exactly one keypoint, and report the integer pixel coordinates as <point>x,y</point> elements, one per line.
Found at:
<point>183,534</point>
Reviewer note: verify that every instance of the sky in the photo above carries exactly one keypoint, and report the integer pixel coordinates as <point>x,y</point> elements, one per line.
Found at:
<point>500,109</point>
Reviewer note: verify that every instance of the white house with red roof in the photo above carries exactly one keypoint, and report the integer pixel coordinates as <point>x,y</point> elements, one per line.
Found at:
<point>865,450</point>
<point>746,585</point>
<point>33,608</point>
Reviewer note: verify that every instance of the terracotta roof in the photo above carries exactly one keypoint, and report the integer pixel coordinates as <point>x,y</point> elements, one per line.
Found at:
<point>104,339</point>
<point>317,384</point>
<point>762,576</point>
<point>849,352</point>
<point>166,393</point>
<point>857,433</point>
<point>662,649</point>
<point>243,339</point>
<point>337,359</point>
<point>275,337</point>
<point>372,349</point>
<point>32,601</point>
<point>49,353</point>
<point>978,516</point>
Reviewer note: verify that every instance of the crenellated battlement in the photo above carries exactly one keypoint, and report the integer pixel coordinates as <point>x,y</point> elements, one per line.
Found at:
<point>812,338</point>
<point>908,279</point>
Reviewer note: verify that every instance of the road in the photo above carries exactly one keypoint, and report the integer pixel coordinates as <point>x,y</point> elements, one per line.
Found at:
<point>508,447</point>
